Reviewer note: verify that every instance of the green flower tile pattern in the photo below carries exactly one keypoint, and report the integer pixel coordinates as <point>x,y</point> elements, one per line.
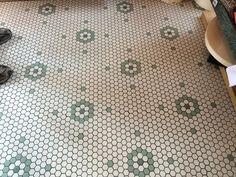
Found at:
<point>47,9</point>
<point>131,67</point>
<point>125,7</point>
<point>187,106</point>
<point>82,111</point>
<point>35,71</point>
<point>169,32</point>
<point>85,36</point>
<point>140,162</point>
<point>17,166</point>
<point>105,88</point>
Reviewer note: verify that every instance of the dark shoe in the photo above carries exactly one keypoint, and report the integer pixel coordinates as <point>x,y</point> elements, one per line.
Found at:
<point>5,73</point>
<point>5,35</point>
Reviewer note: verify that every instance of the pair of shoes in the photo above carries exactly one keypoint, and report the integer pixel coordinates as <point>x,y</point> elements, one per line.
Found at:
<point>5,35</point>
<point>5,71</point>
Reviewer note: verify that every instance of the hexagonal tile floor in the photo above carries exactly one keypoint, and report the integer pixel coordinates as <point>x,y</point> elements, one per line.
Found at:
<point>112,88</point>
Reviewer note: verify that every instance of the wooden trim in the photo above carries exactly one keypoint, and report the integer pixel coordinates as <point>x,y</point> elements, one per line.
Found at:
<point>206,17</point>
<point>231,90</point>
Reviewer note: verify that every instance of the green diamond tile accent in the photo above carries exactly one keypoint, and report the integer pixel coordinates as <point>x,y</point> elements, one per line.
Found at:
<point>82,88</point>
<point>85,21</point>
<point>230,157</point>
<point>140,162</point>
<point>200,64</point>
<point>107,68</point>
<point>60,70</point>
<point>81,136</point>
<point>148,34</point>
<point>85,51</point>
<point>110,163</point>
<point>31,91</point>
<point>173,48</point>
<point>214,105</point>
<point>55,112</point>
<point>161,107</point>
<point>20,37</point>
<point>22,139</point>
<point>193,130</point>
<point>154,66</point>
<point>108,109</point>
<point>48,167</point>
<point>132,86</point>
<point>16,169</point>
<point>2,23</point>
<point>129,50</point>
<point>39,53</point>
<point>137,133</point>
<point>181,84</point>
<point>170,160</point>
<point>126,20</point>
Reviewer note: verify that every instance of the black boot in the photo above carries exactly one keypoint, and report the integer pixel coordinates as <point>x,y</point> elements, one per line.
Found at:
<point>5,35</point>
<point>5,71</point>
